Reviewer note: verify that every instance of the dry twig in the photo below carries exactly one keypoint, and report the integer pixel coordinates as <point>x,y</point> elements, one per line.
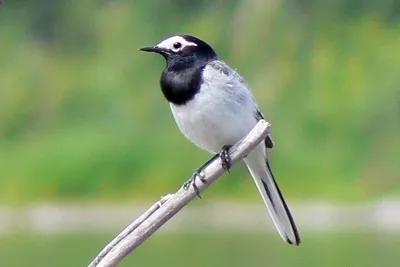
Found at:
<point>160,212</point>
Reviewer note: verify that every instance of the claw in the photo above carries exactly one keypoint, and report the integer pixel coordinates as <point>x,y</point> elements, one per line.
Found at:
<point>192,181</point>
<point>225,158</point>
<point>198,174</point>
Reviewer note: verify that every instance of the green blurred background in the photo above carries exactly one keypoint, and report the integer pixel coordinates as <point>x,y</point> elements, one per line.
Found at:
<point>82,118</point>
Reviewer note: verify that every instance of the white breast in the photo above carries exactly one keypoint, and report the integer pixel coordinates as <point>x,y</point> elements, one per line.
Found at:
<point>221,113</point>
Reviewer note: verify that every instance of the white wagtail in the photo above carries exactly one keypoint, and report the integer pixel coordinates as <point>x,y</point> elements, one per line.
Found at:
<point>214,108</point>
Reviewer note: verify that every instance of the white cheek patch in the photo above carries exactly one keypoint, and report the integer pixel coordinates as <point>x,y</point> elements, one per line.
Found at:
<point>169,43</point>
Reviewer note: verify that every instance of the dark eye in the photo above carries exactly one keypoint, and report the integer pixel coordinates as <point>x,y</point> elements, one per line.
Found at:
<point>177,45</point>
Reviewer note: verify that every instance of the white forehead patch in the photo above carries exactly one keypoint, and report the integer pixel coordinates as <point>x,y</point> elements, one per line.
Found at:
<point>169,43</point>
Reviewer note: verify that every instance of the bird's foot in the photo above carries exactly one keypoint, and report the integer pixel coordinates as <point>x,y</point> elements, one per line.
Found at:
<point>225,158</point>
<point>197,174</point>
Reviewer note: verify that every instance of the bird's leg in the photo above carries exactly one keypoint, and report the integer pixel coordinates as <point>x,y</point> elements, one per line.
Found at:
<point>197,174</point>
<point>225,158</point>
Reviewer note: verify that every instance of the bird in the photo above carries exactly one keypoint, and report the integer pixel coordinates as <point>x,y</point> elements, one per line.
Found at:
<point>214,108</point>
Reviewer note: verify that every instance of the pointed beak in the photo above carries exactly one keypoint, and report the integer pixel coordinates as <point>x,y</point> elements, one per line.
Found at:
<point>153,49</point>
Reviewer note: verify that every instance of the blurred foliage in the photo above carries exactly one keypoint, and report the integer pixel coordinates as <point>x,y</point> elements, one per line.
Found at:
<point>82,115</point>
<point>208,249</point>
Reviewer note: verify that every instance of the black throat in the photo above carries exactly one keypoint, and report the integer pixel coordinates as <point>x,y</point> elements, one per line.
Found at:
<point>182,78</point>
<point>180,84</point>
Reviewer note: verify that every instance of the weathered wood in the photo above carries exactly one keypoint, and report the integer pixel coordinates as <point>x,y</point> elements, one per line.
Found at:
<point>159,213</point>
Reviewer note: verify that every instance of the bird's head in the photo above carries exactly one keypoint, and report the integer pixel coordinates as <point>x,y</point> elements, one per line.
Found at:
<point>182,49</point>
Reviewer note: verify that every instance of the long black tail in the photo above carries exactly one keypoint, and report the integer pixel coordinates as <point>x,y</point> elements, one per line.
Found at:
<point>262,175</point>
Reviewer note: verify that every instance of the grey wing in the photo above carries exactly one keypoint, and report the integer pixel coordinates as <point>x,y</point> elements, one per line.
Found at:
<point>221,66</point>
<point>268,141</point>
<point>229,72</point>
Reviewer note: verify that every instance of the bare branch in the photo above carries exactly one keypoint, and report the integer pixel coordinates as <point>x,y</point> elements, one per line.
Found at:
<point>159,213</point>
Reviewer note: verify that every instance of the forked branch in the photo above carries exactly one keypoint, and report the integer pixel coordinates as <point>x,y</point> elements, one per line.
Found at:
<point>160,212</point>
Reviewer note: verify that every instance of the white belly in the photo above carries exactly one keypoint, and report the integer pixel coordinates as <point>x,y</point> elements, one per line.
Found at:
<point>216,118</point>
